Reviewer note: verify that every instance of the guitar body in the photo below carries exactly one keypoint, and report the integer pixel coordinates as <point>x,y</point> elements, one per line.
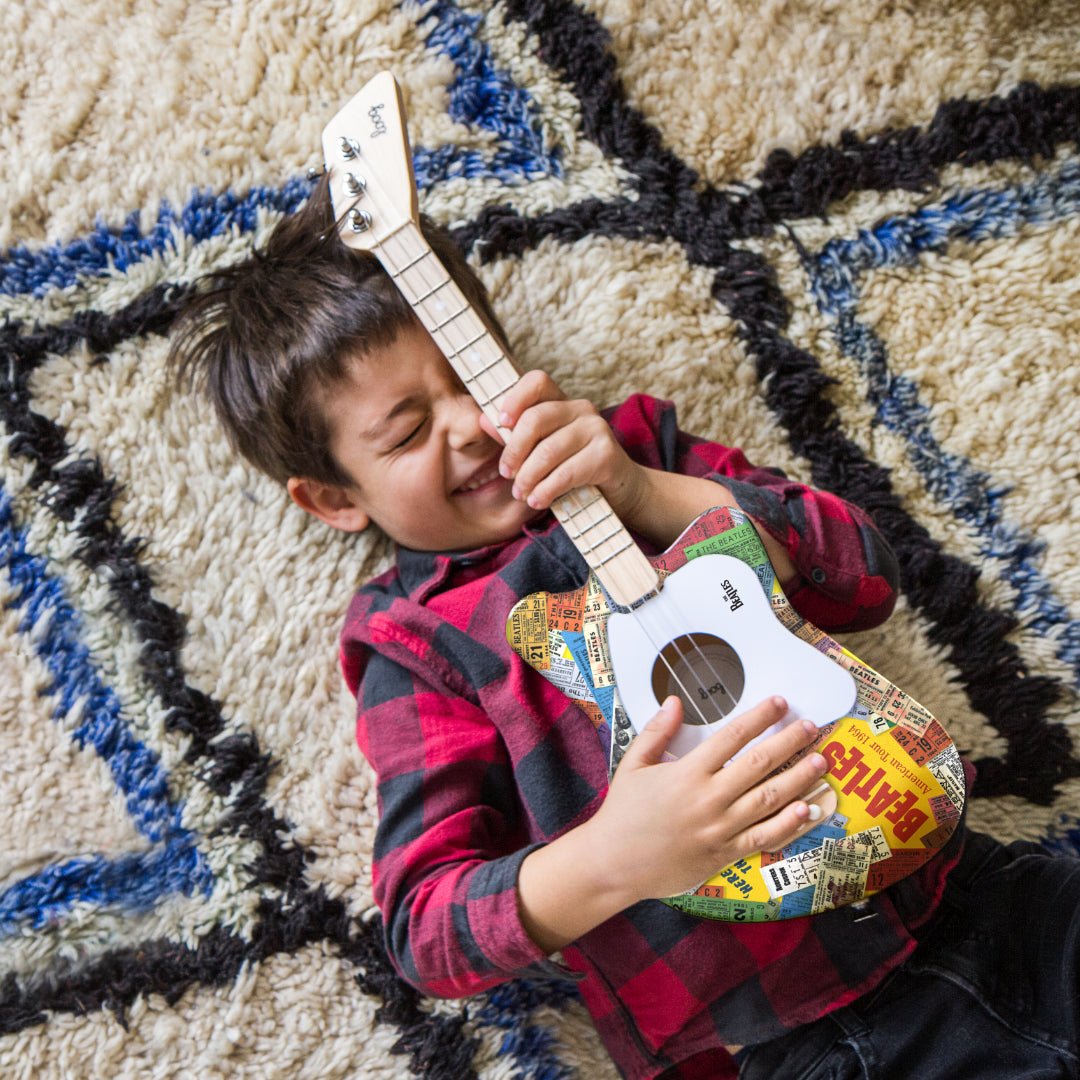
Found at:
<point>895,772</point>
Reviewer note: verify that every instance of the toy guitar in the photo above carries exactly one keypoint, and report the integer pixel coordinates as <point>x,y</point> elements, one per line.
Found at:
<point>706,620</point>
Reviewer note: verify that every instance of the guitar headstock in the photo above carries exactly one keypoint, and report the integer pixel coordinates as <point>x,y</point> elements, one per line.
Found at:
<point>367,153</point>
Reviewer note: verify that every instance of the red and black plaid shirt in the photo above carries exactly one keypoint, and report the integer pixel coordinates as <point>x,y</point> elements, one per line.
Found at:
<point>479,760</point>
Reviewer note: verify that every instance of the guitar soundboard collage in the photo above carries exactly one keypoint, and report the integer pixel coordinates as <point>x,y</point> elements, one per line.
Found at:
<point>896,773</point>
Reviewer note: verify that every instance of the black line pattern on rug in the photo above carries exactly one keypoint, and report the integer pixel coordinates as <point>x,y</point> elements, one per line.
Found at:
<point>437,1047</point>
<point>1029,122</point>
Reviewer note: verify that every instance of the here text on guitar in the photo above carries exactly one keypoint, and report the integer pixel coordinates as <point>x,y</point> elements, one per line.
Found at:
<point>706,620</point>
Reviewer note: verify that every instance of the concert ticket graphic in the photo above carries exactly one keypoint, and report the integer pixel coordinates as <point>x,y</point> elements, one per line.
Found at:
<point>897,776</point>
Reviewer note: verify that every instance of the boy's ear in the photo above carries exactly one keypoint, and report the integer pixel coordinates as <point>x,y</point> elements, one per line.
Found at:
<point>338,506</point>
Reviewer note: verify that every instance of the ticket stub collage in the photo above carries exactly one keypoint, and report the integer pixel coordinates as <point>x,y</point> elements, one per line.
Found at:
<point>896,773</point>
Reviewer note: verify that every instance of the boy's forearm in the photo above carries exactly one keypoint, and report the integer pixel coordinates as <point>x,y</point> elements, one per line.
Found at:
<point>665,503</point>
<point>562,893</point>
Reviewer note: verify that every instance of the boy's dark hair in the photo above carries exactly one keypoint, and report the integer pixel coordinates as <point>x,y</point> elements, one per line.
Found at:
<point>265,338</point>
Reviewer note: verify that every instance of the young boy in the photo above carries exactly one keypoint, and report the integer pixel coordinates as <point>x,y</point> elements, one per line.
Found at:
<point>500,841</point>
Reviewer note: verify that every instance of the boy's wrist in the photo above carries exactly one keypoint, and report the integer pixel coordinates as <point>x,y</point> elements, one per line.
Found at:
<point>612,874</point>
<point>660,505</point>
<point>640,503</point>
<point>630,499</point>
<point>568,887</point>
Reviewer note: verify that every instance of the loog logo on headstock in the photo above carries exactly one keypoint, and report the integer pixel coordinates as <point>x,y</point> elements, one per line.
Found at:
<point>706,620</point>
<point>378,125</point>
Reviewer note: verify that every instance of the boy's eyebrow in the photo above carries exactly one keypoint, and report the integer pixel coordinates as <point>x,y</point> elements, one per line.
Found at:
<point>406,404</point>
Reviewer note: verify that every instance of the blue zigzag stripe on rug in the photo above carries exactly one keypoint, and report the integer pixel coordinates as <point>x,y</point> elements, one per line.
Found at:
<point>485,97</point>
<point>482,96</point>
<point>108,249</point>
<point>51,628</point>
<point>941,587</point>
<point>1064,839</point>
<point>972,215</point>
<point>530,1046</point>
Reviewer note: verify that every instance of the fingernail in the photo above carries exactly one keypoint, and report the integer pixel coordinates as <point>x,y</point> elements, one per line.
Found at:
<point>809,727</point>
<point>504,419</point>
<point>515,491</point>
<point>818,762</point>
<point>779,702</point>
<point>504,470</point>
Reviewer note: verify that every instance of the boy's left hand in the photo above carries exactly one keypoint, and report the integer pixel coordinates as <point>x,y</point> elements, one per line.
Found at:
<point>554,445</point>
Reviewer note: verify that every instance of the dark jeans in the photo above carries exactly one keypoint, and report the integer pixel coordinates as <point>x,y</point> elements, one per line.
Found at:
<point>992,991</point>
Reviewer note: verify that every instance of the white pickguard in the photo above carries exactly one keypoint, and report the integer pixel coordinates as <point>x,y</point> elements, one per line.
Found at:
<point>721,596</point>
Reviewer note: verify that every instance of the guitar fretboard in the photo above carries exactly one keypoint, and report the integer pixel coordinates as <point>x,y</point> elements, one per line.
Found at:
<point>480,362</point>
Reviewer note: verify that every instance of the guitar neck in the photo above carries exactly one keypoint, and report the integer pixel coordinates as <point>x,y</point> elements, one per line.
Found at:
<point>480,362</point>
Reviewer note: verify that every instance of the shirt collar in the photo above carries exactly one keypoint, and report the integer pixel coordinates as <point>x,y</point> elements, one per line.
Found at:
<point>423,573</point>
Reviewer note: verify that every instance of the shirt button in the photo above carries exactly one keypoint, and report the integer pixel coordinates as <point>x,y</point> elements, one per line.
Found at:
<point>818,575</point>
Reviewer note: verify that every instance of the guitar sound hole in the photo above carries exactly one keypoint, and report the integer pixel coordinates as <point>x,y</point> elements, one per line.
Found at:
<point>704,671</point>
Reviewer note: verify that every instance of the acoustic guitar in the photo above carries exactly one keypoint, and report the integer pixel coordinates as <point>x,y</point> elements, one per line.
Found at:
<point>707,620</point>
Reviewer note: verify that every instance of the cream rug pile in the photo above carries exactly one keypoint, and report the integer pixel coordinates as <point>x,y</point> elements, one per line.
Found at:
<point>845,237</point>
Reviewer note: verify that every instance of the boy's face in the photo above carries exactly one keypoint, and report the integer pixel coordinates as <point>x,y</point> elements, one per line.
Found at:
<point>406,430</point>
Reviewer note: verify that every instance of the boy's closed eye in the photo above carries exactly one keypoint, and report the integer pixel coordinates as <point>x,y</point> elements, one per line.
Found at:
<point>402,443</point>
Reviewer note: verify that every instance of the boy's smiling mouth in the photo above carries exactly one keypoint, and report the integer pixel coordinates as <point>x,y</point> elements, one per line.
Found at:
<point>481,478</point>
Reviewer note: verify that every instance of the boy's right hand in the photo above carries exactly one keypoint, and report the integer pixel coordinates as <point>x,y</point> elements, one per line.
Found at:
<point>667,826</point>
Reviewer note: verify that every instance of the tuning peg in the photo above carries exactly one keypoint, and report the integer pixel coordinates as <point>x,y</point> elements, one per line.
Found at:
<point>359,220</point>
<point>348,148</point>
<point>354,185</point>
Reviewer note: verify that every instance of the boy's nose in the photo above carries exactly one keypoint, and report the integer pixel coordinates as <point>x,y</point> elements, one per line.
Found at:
<point>465,426</point>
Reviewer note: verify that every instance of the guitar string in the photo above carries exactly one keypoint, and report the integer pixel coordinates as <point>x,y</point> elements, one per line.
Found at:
<point>675,635</point>
<point>417,266</point>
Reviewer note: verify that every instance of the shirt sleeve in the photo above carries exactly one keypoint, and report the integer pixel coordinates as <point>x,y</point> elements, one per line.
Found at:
<point>847,575</point>
<point>450,839</point>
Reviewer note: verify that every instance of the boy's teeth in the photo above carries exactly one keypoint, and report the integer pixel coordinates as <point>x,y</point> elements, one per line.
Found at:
<point>480,481</point>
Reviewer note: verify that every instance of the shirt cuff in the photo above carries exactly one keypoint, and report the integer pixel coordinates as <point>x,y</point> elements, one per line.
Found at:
<point>495,921</point>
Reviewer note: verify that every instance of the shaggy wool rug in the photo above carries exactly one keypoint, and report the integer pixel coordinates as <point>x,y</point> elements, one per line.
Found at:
<point>845,237</point>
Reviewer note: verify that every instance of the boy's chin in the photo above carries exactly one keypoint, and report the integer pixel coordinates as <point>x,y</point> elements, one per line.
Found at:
<point>505,526</point>
<point>493,529</point>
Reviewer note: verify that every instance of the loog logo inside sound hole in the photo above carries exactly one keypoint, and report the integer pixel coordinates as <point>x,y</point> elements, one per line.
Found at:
<point>703,671</point>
